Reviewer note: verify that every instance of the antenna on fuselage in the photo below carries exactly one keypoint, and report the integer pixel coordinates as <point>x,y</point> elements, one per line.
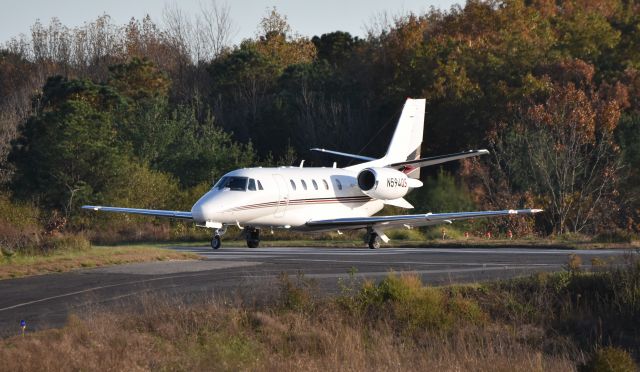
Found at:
<point>302,164</point>
<point>335,165</point>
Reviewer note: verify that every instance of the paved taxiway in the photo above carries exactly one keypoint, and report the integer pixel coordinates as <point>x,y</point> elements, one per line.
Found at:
<point>251,274</point>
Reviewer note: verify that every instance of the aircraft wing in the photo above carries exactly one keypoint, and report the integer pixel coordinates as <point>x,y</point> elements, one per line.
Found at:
<point>146,212</point>
<point>413,220</point>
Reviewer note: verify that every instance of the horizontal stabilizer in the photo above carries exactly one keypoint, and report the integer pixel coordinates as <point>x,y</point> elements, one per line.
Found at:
<point>408,166</point>
<point>359,157</point>
<point>400,202</point>
<point>414,183</point>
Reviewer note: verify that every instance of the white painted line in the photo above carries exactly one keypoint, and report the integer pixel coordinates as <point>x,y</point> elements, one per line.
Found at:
<point>279,251</point>
<point>453,263</point>
<point>95,289</point>
<point>441,271</point>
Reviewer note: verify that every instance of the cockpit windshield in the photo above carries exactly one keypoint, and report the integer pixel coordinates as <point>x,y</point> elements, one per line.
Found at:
<point>232,183</point>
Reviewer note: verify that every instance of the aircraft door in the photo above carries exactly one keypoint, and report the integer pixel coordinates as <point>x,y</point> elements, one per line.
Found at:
<point>283,195</point>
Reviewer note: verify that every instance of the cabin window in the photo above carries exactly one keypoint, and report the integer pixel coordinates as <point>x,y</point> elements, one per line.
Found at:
<point>338,184</point>
<point>304,184</point>
<point>252,185</point>
<point>232,183</point>
<point>293,185</point>
<point>259,185</point>
<point>315,184</point>
<point>326,185</point>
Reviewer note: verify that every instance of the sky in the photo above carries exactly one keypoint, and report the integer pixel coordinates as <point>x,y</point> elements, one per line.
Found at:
<point>308,18</point>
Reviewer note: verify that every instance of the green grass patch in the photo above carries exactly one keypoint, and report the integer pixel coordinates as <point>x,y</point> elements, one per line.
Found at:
<point>77,255</point>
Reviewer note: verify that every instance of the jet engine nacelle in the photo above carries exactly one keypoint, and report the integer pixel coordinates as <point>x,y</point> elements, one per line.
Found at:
<point>385,183</point>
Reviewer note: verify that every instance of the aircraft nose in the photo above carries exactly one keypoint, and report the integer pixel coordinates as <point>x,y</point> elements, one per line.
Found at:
<point>204,209</point>
<point>197,211</point>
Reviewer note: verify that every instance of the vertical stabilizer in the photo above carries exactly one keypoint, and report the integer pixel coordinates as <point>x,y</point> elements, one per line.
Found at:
<point>407,139</point>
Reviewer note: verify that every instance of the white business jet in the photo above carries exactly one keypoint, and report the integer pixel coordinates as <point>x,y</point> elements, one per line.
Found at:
<point>319,199</point>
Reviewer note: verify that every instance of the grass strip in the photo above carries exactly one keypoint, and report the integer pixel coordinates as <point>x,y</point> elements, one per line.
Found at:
<point>20,266</point>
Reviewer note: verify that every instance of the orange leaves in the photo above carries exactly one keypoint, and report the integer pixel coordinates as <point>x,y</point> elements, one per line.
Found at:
<point>278,43</point>
<point>139,79</point>
<point>575,114</point>
<point>608,116</point>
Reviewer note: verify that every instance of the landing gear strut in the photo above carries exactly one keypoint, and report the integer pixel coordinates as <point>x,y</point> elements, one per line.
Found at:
<point>253,237</point>
<point>216,242</point>
<point>372,239</point>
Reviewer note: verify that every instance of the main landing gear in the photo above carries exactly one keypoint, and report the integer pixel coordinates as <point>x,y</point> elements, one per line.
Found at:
<point>372,239</point>
<point>253,237</point>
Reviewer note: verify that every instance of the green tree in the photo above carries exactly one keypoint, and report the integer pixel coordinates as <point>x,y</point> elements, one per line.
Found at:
<point>441,193</point>
<point>628,136</point>
<point>201,151</point>
<point>66,154</point>
<point>586,34</point>
<point>139,80</point>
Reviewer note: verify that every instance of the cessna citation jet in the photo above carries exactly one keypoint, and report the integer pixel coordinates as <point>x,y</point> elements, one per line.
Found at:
<point>318,199</point>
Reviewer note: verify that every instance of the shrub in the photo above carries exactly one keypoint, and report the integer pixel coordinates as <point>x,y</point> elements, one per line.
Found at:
<point>574,263</point>
<point>413,307</point>
<point>572,237</point>
<point>405,234</point>
<point>609,359</point>
<point>19,226</point>
<point>56,244</point>
<point>20,215</point>
<point>452,232</point>
<point>597,262</point>
<point>69,243</point>
<point>613,236</point>
<point>15,240</point>
<point>296,295</point>
<point>442,194</point>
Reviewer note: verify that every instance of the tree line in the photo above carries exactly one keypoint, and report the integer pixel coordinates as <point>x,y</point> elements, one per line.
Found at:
<point>149,114</point>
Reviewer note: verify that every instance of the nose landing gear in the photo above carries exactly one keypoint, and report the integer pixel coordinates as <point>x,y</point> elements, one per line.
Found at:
<point>216,241</point>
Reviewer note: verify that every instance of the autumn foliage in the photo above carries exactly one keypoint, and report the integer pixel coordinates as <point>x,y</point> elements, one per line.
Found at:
<point>552,89</point>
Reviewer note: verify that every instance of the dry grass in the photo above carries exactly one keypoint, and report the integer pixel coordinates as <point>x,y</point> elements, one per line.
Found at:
<point>67,260</point>
<point>211,336</point>
<point>529,324</point>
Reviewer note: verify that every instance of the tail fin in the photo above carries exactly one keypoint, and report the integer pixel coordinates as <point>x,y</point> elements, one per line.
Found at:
<point>407,138</point>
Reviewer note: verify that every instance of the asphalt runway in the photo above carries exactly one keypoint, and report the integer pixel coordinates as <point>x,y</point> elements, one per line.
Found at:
<point>252,275</point>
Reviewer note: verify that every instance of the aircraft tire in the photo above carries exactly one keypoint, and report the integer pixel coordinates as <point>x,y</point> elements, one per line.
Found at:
<point>253,237</point>
<point>374,241</point>
<point>216,242</point>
